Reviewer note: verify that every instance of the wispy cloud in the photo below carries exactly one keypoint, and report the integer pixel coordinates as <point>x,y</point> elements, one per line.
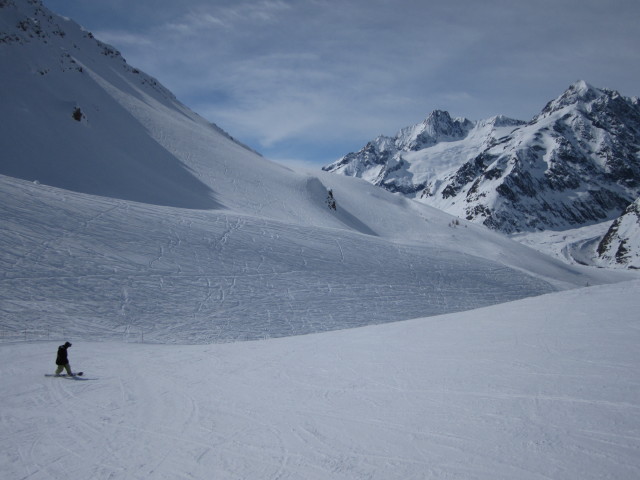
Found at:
<point>125,39</point>
<point>277,73</point>
<point>203,17</point>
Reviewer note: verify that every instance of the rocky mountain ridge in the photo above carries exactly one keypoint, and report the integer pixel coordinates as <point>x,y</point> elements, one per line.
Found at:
<point>576,163</point>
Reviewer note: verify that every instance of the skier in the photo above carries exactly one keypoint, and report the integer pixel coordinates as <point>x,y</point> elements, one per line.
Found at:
<point>63,361</point>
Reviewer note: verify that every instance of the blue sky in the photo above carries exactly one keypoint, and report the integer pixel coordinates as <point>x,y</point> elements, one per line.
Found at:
<point>308,81</point>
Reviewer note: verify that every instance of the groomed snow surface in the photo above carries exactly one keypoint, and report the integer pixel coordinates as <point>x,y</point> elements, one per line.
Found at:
<point>545,385</point>
<point>89,267</point>
<point>541,388</point>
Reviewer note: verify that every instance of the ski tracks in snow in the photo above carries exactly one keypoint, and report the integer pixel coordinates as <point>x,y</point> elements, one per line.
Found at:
<point>542,388</point>
<point>202,276</point>
<point>149,423</point>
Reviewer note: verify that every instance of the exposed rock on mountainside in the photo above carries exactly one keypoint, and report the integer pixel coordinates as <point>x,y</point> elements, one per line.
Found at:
<point>621,244</point>
<point>574,164</point>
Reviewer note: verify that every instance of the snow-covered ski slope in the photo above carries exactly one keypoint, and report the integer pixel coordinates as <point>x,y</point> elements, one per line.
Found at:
<point>540,388</point>
<point>87,266</point>
<point>112,264</point>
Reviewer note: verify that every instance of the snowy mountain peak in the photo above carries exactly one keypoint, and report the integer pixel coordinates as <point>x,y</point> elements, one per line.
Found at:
<point>579,93</point>
<point>575,163</point>
<point>437,127</point>
<point>582,88</point>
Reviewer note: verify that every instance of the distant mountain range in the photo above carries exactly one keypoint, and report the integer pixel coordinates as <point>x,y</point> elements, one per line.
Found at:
<point>574,164</point>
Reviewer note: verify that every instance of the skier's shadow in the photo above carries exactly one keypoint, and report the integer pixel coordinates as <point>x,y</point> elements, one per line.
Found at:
<point>76,378</point>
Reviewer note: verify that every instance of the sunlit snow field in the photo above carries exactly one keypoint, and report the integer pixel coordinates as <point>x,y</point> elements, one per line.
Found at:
<point>539,388</point>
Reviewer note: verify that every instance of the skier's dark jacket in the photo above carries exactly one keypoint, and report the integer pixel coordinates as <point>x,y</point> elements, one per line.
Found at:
<point>62,359</point>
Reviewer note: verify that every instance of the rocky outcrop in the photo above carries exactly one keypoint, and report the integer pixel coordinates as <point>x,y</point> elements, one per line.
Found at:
<point>620,247</point>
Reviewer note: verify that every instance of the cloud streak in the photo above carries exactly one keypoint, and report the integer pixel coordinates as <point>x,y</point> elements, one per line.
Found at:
<point>316,79</point>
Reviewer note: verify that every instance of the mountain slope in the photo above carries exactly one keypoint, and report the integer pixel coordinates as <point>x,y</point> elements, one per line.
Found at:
<point>576,163</point>
<point>70,131</point>
<point>78,117</point>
